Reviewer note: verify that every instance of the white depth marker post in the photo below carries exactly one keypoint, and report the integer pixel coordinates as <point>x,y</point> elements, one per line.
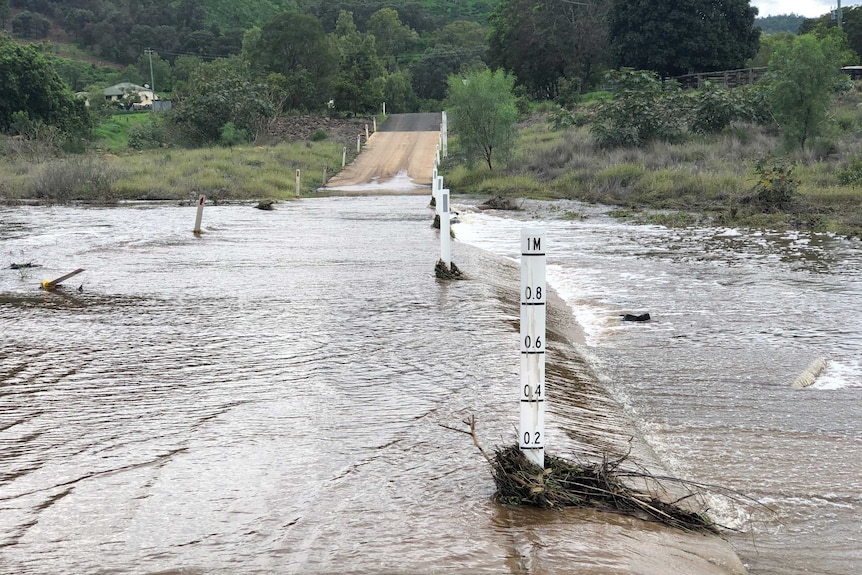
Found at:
<point>375,123</point>
<point>366,132</point>
<point>531,438</point>
<point>445,135</point>
<point>434,184</point>
<point>445,240</point>
<point>437,197</point>
<point>200,214</point>
<point>343,157</point>
<point>384,108</point>
<point>358,143</point>
<point>297,182</point>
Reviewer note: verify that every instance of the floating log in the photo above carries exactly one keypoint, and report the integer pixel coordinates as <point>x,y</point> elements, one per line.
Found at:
<point>809,376</point>
<point>52,284</point>
<point>636,317</point>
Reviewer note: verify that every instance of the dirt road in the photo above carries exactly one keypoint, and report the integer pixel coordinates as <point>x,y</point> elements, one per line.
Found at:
<point>398,158</point>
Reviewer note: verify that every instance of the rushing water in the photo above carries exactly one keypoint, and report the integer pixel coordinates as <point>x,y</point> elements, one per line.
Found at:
<point>736,317</point>
<point>275,396</point>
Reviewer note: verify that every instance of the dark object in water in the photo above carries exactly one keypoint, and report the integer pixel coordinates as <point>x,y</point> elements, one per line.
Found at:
<point>265,204</point>
<point>447,273</point>
<point>632,317</point>
<point>23,266</point>
<point>498,202</point>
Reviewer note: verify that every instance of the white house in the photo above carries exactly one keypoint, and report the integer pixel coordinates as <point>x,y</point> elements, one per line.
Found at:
<point>116,93</point>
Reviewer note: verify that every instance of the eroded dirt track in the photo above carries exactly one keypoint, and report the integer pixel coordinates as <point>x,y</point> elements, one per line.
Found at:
<point>404,146</point>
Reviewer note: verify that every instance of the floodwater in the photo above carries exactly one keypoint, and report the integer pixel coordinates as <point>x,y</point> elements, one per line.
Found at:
<point>278,394</point>
<point>736,316</point>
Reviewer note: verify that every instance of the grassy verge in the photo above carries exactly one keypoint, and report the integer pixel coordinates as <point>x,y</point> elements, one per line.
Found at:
<point>113,134</point>
<point>706,180</point>
<point>222,174</point>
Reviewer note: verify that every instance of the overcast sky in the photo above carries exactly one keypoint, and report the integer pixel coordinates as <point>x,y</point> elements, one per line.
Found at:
<point>807,8</point>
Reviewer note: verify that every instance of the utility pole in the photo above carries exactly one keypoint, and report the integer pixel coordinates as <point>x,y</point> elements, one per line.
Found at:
<point>149,51</point>
<point>839,15</point>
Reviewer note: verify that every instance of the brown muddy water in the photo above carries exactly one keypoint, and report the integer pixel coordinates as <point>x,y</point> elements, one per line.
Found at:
<point>270,397</point>
<point>737,315</point>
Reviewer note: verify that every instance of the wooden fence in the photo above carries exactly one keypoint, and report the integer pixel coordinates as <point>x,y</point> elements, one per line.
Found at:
<point>726,78</point>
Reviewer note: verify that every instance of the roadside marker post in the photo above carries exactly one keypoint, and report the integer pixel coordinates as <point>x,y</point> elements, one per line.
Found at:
<point>199,215</point>
<point>343,157</point>
<point>375,123</point>
<point>49,285</point>
<point>437,197</point>
<point>297,182</point>
<point>358,143</point>
<point>366,132</point>
<point>531,431</point>
<point>445,239</point>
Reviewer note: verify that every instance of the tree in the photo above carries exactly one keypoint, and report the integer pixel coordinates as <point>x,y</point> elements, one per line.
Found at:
<point>391,37</point>
<point>295,46</point>
<point>541,42</point>
<point>483,112</point>
<point>30,25</point>
<point>674,37</point>
<point>802,79</point>
<point>218,94</point>
<point>4,13</point>
<point>398,93</point>
<point>30,85</point>
<point>432,70</point>
<point>361,76</point>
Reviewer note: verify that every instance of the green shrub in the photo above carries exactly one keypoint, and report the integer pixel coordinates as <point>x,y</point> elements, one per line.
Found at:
<point>776,188</point>
<point>852,174</point>
<point>230,135</point>
<point>146,136</point>
<point>318,135</point>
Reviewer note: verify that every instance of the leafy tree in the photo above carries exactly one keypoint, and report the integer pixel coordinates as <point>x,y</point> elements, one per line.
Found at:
<point>30,85</point>
<point>482,107</point>
<point>4,12</point>
<point>787,23</point>
<point>432,70</point>
<point>803,78</point>
<point>30,25</point>
<point>541,42</point>
<point>461,34</point>
<point>183,68</point>
<point>295,46</point>
<point>361,76</point>
<point>674,37</point>
<point>398,93</point>
<point>391,37</point>
<point>162,75</point>
<point>643,109</point>
<point>220,93</point>
<point>767,47</point>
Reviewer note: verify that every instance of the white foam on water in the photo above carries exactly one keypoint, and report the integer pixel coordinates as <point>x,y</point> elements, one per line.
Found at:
<point>838,375</point>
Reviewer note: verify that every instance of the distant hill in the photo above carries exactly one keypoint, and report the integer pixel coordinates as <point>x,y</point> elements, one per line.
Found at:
<point>781,23</point>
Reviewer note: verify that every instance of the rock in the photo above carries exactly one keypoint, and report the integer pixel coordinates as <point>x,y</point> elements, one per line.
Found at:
<point>632,317</point>
<point>498,203</point>
<point>265,204</point>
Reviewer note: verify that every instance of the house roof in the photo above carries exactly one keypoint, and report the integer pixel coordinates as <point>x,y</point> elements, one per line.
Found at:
<point>124,88</point>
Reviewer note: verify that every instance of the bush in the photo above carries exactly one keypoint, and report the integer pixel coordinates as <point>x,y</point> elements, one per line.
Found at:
<point>852,174</point>
<point>146,136</point>
<point>62,181</point>
<point>318,136</point>
<point>776,187</point>
<point>231,136</point>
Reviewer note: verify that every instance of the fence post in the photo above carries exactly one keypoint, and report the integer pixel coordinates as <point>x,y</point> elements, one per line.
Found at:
<point>199,215</point>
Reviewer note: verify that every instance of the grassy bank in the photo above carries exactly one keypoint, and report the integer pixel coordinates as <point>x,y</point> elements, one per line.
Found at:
<point>222,174</point>
<point>706,180</point>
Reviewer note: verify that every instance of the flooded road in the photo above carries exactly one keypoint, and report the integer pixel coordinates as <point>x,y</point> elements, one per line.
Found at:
<point>736,316</point>
<point>272,396</point>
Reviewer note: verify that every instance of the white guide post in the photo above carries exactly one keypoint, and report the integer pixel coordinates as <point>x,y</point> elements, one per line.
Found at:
<point>437,197</point>
<point>434,183</point>
<point>200,214</point>
<point>297,182</point>
<point>343,157</point>
<point>531,438</point>
<point>438,153</point>
<point>384,108</point>
<point>445,135</point>
<point>358,143</point>
<point>375,123</point>
<point>445,239</point>
<point>366,132</point>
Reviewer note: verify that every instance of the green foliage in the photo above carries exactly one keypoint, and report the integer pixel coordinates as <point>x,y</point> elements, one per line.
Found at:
<point>546,41</point>
<point>398,93</point>
<point>220,94</point>
<point>392,37</point>
<point>675,37</point>
<point>802,79</point>
<point>776,188</point>
<point>851,175</point>
<point>431,71</point>
<point>361,78</point>
<point>786,23</point>
<point>29,84</point>
<point>318,135</point>
<point>230,136</point>
<point>644,109</point>
<point>295,46</point>
<point>62,181</point>
<point>483,113</point>
<point>147,135</point>
<point>28,24</point>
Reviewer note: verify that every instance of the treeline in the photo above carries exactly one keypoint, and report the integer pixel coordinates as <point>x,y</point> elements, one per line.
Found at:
<point>119,31</point>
